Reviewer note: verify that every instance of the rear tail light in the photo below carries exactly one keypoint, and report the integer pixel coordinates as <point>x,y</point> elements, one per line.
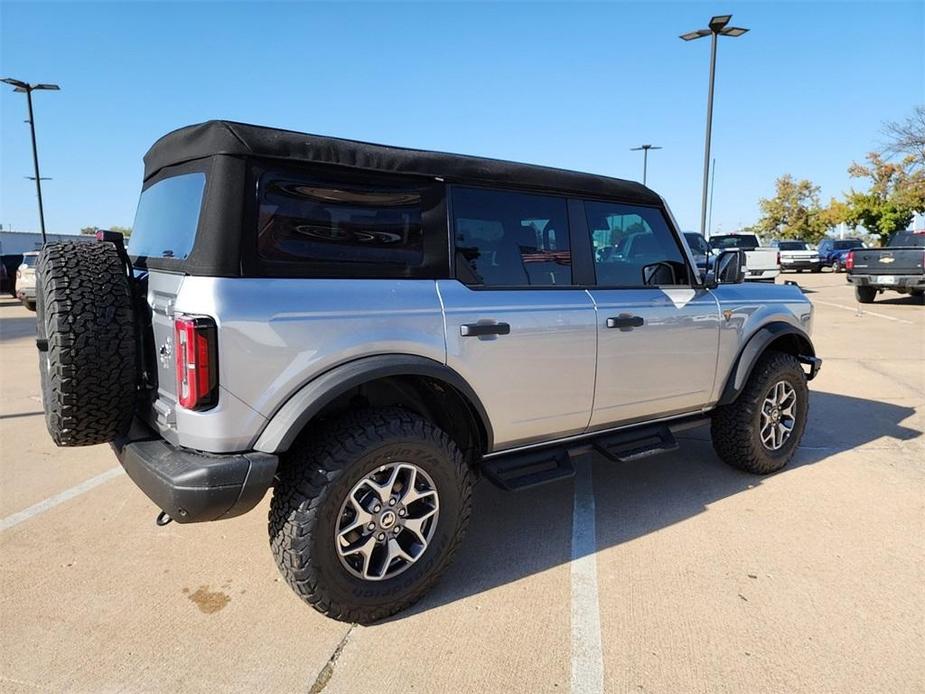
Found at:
<point>849,260</point>
<point>197,361</point>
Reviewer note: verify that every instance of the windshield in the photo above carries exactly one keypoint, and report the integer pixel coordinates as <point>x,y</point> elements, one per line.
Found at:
<point>846,244</point>
<point>30,260</point>
<point>916,240</point>
<point>792,246</point>
<point>696,243</point>
<point>167,217</point>
<point>746,241</point>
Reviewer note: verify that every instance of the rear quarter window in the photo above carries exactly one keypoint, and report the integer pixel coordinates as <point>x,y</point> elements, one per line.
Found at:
<point>318,224</point>
<point>168,217</point>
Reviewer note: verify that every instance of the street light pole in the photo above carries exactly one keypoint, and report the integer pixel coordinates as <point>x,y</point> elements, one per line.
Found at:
<point>645,158</point>
<point>20,86</point>
<point>717,27</point>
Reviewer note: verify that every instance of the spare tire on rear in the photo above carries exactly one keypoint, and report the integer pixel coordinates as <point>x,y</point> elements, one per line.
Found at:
<point>86,340</point>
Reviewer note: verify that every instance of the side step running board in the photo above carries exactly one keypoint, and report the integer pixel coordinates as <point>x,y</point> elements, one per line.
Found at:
<point>635,444</point>
<point>521,471</point>
<point>516,471</point>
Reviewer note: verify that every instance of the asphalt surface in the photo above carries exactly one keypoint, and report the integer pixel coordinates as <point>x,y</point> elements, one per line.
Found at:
<point>670,574</point>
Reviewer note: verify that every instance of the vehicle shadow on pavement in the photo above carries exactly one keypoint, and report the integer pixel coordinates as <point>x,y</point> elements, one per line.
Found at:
<point>16,328</point>
<point>903,300</point>
<point>515,535</point>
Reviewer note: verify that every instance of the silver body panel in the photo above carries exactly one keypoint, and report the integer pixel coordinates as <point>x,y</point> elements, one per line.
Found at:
<point>559,373</point>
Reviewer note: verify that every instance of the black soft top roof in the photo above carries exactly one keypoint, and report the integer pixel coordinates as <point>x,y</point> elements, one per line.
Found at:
<point>240,139</point>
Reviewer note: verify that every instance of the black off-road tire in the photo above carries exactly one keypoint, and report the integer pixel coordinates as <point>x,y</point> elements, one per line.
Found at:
<point>736,427</point>
<point>865,295</point>
<point>86,339</point>
<point>314,480</point>
<point>917,293</point>
<point>30,305</point>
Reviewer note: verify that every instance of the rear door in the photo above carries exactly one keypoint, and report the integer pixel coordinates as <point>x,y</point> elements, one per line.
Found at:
<point>518,329</point>
<point>658,331</point>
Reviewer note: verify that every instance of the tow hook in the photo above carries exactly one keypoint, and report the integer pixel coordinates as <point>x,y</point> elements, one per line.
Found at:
<point>163,519</point>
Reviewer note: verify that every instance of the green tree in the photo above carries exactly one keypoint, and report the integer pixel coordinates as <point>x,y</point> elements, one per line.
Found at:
<point>793,213</point>
<point>89,231</point>
<point>896,191</point>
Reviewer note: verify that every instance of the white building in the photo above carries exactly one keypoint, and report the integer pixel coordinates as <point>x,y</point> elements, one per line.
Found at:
<point>18,242</point>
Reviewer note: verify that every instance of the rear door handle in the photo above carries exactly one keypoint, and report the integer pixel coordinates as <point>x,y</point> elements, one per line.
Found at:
<point>625,322</point>
<point>478,329</point>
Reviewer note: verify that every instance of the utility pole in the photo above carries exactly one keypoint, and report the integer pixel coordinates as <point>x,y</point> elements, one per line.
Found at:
<point>645,158</point>
<point>19,86</point>
<point>717,27</point>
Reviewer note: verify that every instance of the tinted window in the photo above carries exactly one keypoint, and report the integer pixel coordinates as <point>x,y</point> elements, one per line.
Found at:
<point>633,246</point>
<point>511,239</point>
<point>743,241</point>
<point>326,221</point>
<point>30,260</point>
<point>697,243</point>
<point>792,246</point>
<point>167,217</point>
<point>847,244</point>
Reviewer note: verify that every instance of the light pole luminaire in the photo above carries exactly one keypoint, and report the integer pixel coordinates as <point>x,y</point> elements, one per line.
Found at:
<point>716,29</point>
<point>645,158</point>
<point>19,86</point>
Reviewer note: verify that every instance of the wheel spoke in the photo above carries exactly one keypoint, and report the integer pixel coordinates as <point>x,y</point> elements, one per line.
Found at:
<point>366,515</point>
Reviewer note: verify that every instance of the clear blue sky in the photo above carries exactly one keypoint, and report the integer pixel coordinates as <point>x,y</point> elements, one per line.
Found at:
<point>569,85</point>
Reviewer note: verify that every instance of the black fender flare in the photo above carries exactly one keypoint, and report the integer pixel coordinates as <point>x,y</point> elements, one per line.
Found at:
<point>756,345</point>
<point>312,397</point>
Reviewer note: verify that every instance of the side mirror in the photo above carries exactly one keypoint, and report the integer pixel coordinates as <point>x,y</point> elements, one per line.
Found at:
<point>658,274</point>
<point>728,268</point>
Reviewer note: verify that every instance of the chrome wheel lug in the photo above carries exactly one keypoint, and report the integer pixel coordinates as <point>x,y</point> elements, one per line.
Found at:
<point>381,537</point>
<point>402,512</point>
<point>371,526</point>
<point>377,508</point>
<point>391,502</point>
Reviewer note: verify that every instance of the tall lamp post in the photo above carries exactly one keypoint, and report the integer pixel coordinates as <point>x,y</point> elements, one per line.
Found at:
<point>716,29</point>
<point>645,158</point>
<point>19,86</point>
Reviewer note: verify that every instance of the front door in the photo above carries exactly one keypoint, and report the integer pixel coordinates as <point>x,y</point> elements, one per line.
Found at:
<point>517,329</point>
<point>658,331</point>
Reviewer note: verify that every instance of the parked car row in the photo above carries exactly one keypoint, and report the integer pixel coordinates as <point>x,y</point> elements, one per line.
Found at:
<point>25,279</point>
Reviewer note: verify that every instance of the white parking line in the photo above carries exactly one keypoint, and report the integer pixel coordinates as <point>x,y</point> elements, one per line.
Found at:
<point>863,310</point>
<point>587,656</point>
<point>52,501</point>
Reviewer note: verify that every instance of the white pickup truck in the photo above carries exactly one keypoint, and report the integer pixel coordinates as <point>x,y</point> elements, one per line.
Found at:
<point>762,264</point>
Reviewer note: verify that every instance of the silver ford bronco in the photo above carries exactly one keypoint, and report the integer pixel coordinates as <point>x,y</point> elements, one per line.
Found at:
<point>368,329</point>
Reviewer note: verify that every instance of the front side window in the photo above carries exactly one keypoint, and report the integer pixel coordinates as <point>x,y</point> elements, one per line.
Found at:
<point>633,246</point>
<point>505,238</point>
<point>168,217</point>
<point>303,219</point>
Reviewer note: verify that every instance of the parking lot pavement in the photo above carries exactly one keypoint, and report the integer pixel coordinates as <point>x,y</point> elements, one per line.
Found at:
<point>701,578</point>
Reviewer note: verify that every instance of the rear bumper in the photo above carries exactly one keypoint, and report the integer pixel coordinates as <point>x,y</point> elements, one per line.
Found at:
<point>759,275</point>
<point>192,487</point>
<point>900,282</point>
<point>800,264</point>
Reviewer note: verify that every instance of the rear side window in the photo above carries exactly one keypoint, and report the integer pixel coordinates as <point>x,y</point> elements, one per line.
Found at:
<point>167,217</point>
<point>327,223</point>
<point>504,238</point>
<point>633,246</point>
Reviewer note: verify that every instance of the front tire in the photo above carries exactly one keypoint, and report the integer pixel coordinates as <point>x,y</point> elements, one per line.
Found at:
<point>761,430</point>
<point>865,295</point>
<point>368,514</point>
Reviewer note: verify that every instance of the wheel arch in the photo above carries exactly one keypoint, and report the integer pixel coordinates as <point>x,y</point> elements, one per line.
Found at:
<point>778,336</point>
<point>423,385</point>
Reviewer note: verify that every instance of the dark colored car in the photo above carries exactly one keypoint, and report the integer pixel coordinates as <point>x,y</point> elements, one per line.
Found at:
<point>899,267</point>
<point>833,252</point>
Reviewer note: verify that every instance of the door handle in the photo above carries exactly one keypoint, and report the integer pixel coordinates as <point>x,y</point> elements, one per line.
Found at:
<point>625,322</point>
<point>479,329</point>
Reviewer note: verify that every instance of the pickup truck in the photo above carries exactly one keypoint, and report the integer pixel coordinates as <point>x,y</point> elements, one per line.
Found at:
<point>898,267</point>
<point>761,263</point>
<point>797,255</point>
